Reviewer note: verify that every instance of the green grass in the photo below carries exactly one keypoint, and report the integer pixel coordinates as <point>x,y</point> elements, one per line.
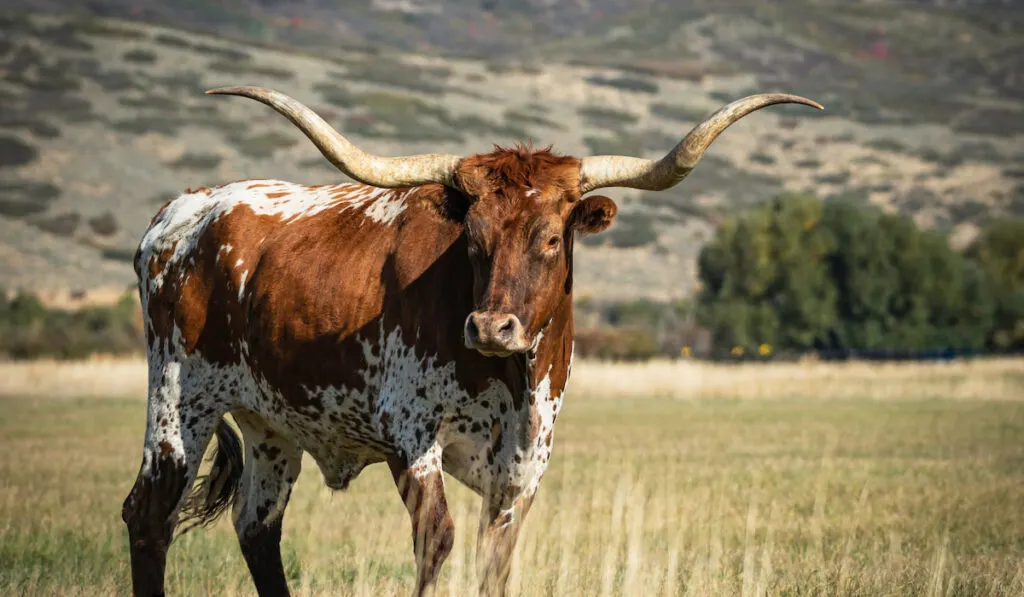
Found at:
<point>794,496</point>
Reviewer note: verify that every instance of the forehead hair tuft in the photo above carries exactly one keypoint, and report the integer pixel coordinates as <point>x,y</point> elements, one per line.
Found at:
<point>524,165</point>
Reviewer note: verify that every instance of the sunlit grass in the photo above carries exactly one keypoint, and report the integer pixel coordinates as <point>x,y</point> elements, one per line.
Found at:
<point>789,490</point>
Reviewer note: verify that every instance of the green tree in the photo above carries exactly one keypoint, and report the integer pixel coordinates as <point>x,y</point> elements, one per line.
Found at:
<point>999,254</point>
<point>799,274</point>
<point>864,276</point>
<point>803,294</point>
<point>764,279</point>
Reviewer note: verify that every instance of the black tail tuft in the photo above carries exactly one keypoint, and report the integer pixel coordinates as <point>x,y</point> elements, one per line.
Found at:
<point>215,492</point>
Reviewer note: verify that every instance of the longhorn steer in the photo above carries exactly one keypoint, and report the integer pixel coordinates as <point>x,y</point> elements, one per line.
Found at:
<point>421,317</point>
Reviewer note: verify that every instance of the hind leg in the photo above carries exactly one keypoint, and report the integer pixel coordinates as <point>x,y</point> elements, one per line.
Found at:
<point>177,433</point>
<point>272,464</point>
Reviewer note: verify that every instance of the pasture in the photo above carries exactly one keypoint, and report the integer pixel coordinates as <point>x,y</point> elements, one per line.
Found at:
<point>667,479</point>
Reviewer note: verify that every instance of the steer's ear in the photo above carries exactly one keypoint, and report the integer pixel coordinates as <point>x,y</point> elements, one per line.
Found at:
<point>593,214</point>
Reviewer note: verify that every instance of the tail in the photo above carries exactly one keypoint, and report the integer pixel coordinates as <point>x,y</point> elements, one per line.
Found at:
<point>215,492</point>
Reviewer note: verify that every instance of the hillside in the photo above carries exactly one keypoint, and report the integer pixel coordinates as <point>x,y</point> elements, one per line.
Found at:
<point>104,120</point>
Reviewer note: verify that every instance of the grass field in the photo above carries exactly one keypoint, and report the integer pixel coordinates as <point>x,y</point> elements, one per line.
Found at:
<point>667,479</point>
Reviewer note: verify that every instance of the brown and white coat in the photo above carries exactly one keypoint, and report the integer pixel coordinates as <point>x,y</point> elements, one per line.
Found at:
<point>427,326</point>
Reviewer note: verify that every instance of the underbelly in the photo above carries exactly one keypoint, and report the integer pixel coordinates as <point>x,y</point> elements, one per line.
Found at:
<point>407,406</point>
<point>344,439</point>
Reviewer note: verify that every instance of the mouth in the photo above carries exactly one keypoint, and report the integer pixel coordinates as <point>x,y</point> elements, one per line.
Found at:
<point>506,351</point>
<point>495,353</point>
<point>502,350</point>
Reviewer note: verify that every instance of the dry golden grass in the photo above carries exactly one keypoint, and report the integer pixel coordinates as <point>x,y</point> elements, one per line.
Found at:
<point>780,480</point>
<point>97,377</point>
<point>979,379</point>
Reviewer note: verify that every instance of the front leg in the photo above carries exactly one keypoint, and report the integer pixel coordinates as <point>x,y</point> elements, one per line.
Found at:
<point>421,486</point>
<point>499,530</point>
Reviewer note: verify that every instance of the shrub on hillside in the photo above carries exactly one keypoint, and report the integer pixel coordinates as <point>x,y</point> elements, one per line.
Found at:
<point>104,224</point>
<point>625,83</point>
<point>14,152</point>
<point>615,344</point>
<point>139,56</point>
<point>30,330</point>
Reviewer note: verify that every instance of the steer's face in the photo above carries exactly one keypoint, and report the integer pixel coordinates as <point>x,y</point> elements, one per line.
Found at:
<point>524,210</point>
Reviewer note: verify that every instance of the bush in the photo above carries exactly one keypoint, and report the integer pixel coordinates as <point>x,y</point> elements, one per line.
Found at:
<point>157,103</point>
<point>523,117</point>
<point>139,56</point>
<point>231,54</point>
<point>682,205</point>
<point>14,152</point>
<point>99,28</point>
<point>633,330</point>
<point>889,145</point>
<point>406,117</point>
<point>65,37</point>
<point>208,161</point>
<point>839,178</point>
<point>188,82</point>
<point>19,199</point>
<point>625,83</point>
<point>243,68</point>
<point>624,344</point>
<point>759,157</point>
<point>30,330</point>
<point>153,124</point>
<point>259,146</point>
<point>421,79</point>
<point>172,41</point>
<point>104,224</point>
<point>1002,122</point>
<point>318,163</point>
<point>337,95</point>
<point>63,224</point>
<point>618,145</point>
<point>116,80</point>
<point>810,164</point>
<point>679,112</point>
<point>918,198</point>
<point>38,127</point>
<point>609,118</point>
<point>627,231</point>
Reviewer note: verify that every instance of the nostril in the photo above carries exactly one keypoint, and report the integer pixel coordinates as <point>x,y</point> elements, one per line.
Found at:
<point>472,332</point>
<point>507,326</point>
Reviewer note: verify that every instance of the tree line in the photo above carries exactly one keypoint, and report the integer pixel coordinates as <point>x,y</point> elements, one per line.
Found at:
<point>800,274</point>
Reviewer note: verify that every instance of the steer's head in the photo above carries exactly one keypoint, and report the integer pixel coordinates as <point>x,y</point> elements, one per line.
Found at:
<point>525,208</point>
<point>522,209</point>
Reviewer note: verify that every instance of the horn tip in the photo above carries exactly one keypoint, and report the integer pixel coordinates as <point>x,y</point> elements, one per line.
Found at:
<point>230,90</point>
<point>796,99</point>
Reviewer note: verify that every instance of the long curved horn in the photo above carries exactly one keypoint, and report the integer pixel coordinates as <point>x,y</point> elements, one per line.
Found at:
<point>378,171</point>
<point>657,175</point>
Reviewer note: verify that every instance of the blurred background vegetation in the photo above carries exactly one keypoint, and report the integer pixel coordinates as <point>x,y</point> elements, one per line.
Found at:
<point>887,225</point>
<point>792,276</point>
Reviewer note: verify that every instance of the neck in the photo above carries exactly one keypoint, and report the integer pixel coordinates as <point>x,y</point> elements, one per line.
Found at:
<point>550,358</point>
